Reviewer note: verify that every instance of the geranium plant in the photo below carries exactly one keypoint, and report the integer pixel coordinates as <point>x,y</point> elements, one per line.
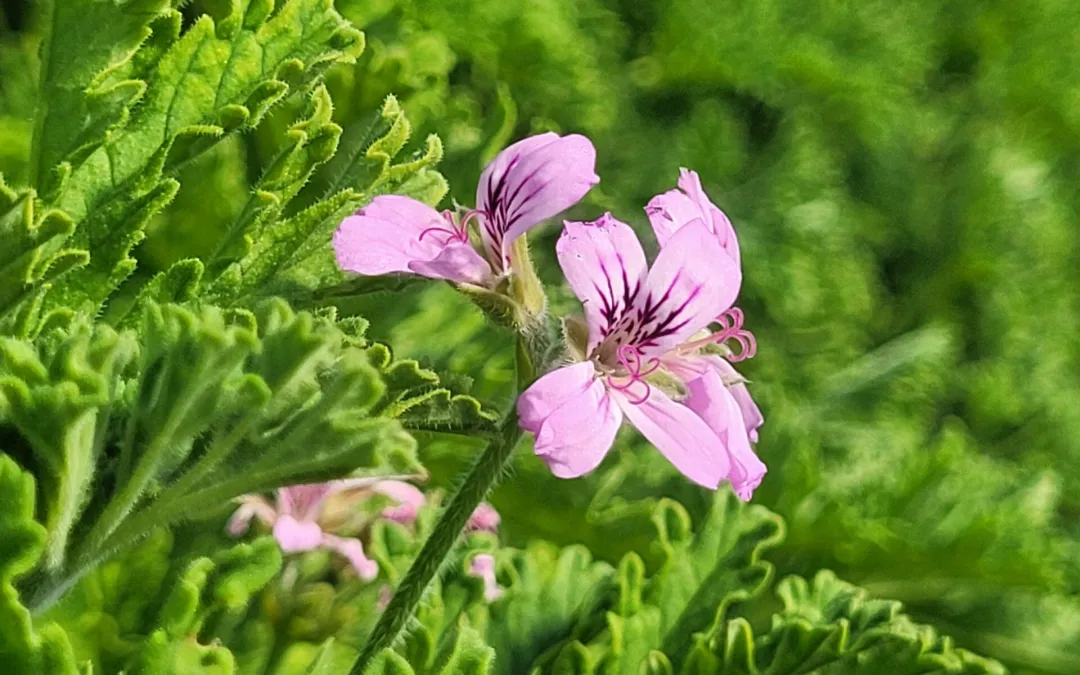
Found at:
<point>273,402</point>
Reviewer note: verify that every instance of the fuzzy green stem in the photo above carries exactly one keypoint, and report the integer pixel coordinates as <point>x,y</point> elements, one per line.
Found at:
<point>534,347</point>
<point>534,352</point>
<point>483,476</point>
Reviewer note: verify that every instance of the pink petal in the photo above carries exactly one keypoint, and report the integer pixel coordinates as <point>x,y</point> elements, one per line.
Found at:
<point>551,391</point>
<point>408,497</point>
<point>296,535</point>
<point>691,282</point>
<point>484,519</point>
<point>399,234</point>
<point>456,262</point>
<point>605,265</point>
<point>718,222</point>
<point>529,182</point>
<point>670,211</point>
<point>353,550</point>
<point>251,506</point>
<point>680,435</point>
<point>483,566</point>
<point>715,404</point>
<point>576,436</point>
<point>751,414</point>
<point>303,501</point>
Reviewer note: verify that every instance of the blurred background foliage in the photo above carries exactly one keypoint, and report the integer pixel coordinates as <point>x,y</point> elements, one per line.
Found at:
<point>903,178</point>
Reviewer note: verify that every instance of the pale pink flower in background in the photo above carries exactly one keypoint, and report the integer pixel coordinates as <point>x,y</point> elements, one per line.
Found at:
<point>296,519</point>
<point>484,519</point>
<point>409,500</point>
<point>641,321</point>
<point>483,567</point>
<point>527,183</point>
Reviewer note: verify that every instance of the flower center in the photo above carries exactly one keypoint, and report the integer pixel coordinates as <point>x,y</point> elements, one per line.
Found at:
<point>731,322</point>
<point>629,376</point>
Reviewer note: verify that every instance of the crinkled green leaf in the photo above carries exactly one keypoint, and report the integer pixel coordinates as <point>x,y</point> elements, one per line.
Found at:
<point>417,398</point>
<point>60,402</point>
<point>830,627</point>
<point>35,252</point>
<point>24,647</point>
<point>309,142</point>
<point>209,595</point>
<point>223,404</point>
<point>86,79</point>
<point>461,652</point>
<point>216,77</point>
<point>366,160</point>
<point>546,589</point>
<point>704,572</point>
<point>292,257</point>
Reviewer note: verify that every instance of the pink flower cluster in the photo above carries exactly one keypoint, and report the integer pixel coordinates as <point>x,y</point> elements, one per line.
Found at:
<point>300,517</point>
<point>661,339</point>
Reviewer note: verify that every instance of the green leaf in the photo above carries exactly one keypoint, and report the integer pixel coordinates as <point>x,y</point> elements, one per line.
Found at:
<point>86,81</point>
<point>461,652</point>
<point>332,658</point>
<point>209,594</point>
<point>24,647</point>
<point>365,162</point>
<point>703,574</point>
<point>546,588</point>
<point>223,404</point>
<point>177,284</point>
<point>292,257</point>
<point>60,401</point>
<point>213,78</point>
<point>310,141</point>
<point>34,254</point>
<point>830,627</point>
<point>416,398</point>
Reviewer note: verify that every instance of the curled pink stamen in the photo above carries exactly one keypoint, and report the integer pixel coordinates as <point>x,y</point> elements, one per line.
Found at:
<point>730,329</point>
<point>455,231</point>
<point>438,231</point>
<point>731,321</point>
<point>471,214</point>
<point>625,388</point>
<point>630,359</point>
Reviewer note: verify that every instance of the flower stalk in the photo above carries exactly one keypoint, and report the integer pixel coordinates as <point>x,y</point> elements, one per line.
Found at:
<point>535,345</point>
<point>481,478</point>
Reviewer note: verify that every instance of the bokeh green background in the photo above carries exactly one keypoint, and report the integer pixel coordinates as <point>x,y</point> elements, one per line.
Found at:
<point>903,179</point>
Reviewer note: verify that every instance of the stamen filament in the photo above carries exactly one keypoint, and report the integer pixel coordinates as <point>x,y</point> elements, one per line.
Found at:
<point>630,359</point>
<point>731,329</point>
<point>455,231</point>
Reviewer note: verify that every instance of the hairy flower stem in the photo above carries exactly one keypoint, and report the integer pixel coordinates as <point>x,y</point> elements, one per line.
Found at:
<point>483,476</point>
<point>534,348</point>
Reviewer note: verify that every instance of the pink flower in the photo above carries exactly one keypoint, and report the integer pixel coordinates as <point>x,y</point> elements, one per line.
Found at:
<point>483,567</point>
<point>527,183</point>
<point>645,325</point>
<point>297,524</point>
<point>484,519</point>
<point>409,500</point>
